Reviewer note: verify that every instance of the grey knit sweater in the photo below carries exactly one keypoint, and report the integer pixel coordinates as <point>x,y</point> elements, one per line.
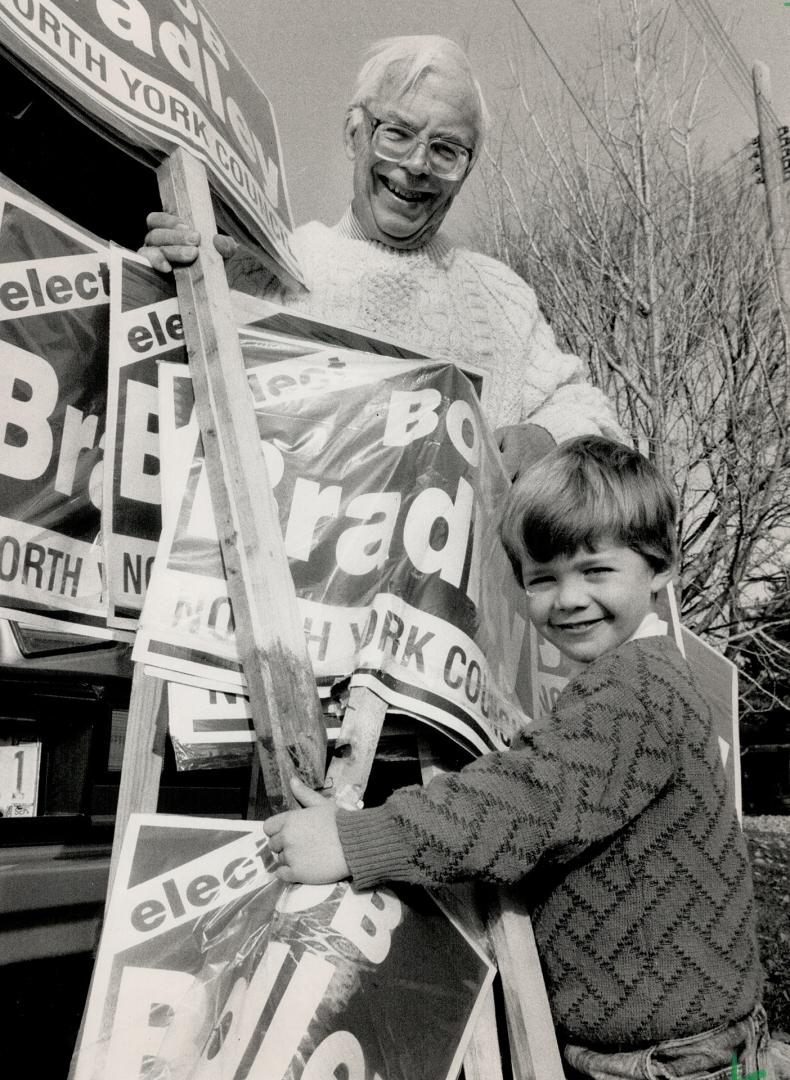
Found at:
<point>450,303</point>
<point>619,807</point>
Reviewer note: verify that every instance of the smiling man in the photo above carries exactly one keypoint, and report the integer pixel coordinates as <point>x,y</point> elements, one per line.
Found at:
<point>413,141</point>
<point>414,130</point>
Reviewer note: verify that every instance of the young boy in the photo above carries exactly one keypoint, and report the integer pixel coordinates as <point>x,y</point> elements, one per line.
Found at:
<point>644,906</point>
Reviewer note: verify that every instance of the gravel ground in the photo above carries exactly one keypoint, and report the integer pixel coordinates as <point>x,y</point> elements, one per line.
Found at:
<point>768,839</point>
<point>768,823</point>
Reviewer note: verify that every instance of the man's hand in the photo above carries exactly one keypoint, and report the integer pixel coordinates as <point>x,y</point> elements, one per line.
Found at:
<point>522,445</point>
<point>170,243</point>
<point>306,840</point>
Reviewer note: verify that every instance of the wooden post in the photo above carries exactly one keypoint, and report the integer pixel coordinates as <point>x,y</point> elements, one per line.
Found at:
<point>533,1045</point>
<point>280,683</point>
<point>534,1052</point>
<point>141,770</point>
<point>143,754</point>
<point>771,162</point>
<point>355,747</point>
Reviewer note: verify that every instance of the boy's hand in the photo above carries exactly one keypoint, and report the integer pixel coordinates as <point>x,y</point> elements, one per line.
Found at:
<point>306,840</point>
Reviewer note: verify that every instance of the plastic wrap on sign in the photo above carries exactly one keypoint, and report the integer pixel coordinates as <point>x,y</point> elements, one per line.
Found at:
<point>209,968</point>
<point>209,728</point>
<point>212,729</point>
<point>54,312</point>
<point>156,76</point>
<point>388,485</point>
<point>145,328</point>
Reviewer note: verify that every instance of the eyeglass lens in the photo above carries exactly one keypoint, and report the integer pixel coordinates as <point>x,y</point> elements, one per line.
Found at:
<point>394,143</point>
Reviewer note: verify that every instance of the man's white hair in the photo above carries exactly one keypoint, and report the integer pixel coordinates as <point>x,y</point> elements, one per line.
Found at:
<point>408,59</point>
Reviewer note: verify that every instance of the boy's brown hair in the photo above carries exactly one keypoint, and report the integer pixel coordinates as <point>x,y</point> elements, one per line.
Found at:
<point>586,491</point>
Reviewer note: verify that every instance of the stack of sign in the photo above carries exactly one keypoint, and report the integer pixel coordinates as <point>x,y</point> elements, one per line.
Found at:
<point>153,75</point>
<point>385,476</point>
<point>386,480</point>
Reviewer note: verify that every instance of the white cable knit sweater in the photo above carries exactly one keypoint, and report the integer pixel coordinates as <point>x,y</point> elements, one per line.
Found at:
<point>450,303</point>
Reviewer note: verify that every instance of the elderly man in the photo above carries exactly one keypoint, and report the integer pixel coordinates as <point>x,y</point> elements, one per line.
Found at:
<point>414,129</point>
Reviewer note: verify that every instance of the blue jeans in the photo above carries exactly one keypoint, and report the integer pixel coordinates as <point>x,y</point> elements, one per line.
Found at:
<point>706,1056</point>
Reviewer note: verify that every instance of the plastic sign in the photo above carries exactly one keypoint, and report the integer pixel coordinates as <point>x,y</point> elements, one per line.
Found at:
<point>210,968</point>
<point>54,316</point>
<point>158,74</point>
<point>145,327</point>
<point>387,482</point>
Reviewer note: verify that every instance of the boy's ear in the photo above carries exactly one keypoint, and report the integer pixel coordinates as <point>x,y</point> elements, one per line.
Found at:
<point>662,578</point>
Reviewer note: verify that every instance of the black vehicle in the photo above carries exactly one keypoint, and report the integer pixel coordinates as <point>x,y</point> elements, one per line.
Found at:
<point>64,700</point>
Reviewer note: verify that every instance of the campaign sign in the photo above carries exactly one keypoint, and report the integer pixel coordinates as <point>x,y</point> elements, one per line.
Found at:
<point>158,74</point>
<point>211,728</point>
<point>210,968</point>
<point>387,483</point>
<point>718,680</point>
<point>145,327</point>
<point>54,312</point>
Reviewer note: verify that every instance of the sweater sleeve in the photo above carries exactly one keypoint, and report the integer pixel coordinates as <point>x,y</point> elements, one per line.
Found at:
<point>600,759</point>
<point>538,382</point>
<point>558,394</point>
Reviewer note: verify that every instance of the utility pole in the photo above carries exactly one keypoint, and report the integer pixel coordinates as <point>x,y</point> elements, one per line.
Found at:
<point>773,176</point>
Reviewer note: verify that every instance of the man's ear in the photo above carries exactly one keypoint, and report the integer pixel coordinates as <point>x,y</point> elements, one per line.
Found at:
<point>353,120</point>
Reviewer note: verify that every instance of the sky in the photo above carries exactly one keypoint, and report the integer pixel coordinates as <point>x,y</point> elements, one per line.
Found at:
<point>304,54</point>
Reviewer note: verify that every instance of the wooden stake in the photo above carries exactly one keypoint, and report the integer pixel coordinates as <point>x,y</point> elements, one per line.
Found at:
<point>143,754</point>
<point>355,747</point>
<point>483,1058</point>
<point>533,1042</point>
<point>285,708</point>
<point>534,1052</point>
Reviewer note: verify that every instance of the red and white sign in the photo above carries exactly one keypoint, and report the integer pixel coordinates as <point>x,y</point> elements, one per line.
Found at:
<point>387,481</point>
<point>158,74</point>
<point>54,313</point>
<point>210,968</point>
<point>145,328</point>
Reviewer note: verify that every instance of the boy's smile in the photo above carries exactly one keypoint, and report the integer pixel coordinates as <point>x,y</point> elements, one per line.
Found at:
<point>591,602</point>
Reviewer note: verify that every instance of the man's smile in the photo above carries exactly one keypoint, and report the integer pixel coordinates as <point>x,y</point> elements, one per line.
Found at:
<point>407,194</point>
